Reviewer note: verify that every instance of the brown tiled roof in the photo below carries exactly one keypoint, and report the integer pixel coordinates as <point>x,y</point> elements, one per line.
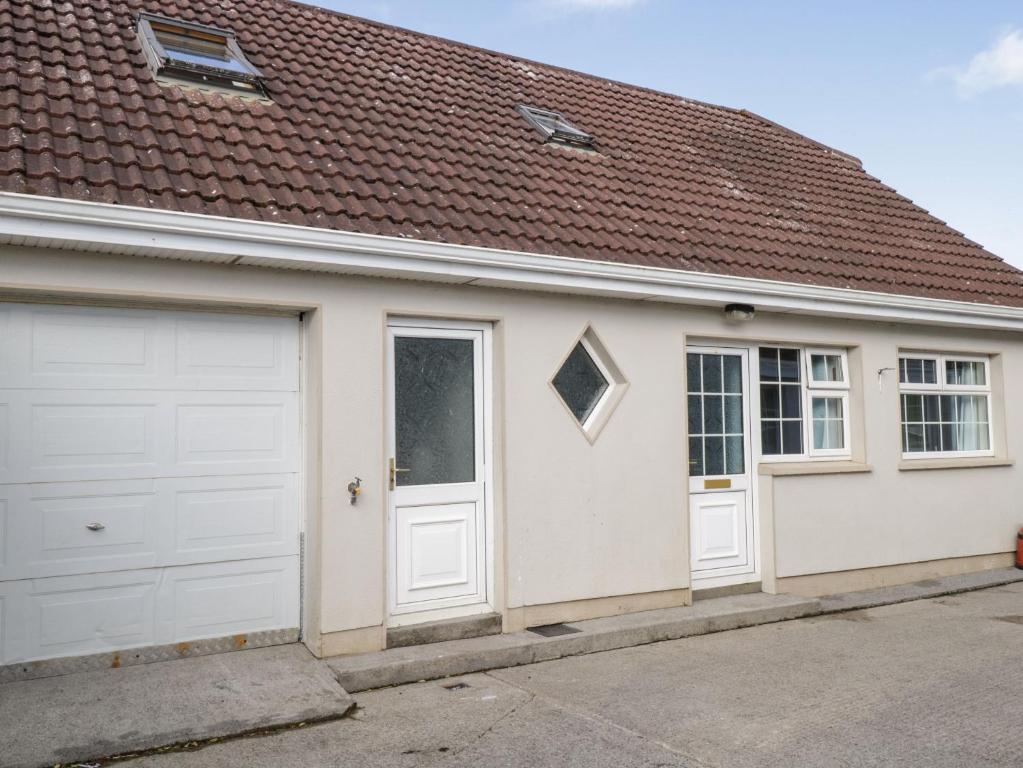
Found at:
<point>381,130</point>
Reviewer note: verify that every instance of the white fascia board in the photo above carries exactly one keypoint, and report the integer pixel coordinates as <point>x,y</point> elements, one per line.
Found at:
<point>145,231</point>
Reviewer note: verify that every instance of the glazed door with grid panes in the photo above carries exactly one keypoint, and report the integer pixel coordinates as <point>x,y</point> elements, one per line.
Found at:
<point>722,526</point>
<point>439,439</point>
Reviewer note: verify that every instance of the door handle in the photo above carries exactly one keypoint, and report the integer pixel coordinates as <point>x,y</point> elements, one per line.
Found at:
<point>392,472</point>
<point>95,526</point>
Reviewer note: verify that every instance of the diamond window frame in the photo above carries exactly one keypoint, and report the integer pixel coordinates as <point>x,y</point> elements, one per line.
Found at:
<point>166,67</point>
<point>605,406</point>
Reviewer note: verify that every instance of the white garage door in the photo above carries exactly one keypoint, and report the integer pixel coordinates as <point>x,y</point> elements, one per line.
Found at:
<point>148,478</point>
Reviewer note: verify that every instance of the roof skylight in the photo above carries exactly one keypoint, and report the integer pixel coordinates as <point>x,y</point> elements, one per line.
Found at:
<point>555,127</point>
<point>206,56</point>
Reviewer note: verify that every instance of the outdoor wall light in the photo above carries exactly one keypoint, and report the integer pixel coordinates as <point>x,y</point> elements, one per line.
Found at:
<point>739,312</point>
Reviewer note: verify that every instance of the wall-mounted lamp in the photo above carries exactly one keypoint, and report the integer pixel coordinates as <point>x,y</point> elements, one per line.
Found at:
<point>739,312</point>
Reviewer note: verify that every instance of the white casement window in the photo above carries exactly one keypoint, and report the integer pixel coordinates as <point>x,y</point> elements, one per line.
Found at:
<point>946,405</point>
<point>804,403</point>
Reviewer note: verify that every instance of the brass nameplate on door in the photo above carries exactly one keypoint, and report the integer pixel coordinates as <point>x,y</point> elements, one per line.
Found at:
<point>709,485</point>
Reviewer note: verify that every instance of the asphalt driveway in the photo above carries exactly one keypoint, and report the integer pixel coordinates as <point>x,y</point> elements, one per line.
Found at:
<point>929,683</point>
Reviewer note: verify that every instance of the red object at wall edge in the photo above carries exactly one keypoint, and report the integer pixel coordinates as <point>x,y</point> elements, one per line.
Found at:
<point>1019,549</point>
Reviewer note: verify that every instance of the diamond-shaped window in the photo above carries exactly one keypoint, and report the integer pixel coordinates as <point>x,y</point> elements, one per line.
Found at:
<point>589,383</point>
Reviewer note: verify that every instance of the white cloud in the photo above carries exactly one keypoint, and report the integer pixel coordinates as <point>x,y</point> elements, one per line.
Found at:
<point>998,66</point>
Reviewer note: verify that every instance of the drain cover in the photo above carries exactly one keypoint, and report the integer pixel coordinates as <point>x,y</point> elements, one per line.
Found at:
<point>553,630</point>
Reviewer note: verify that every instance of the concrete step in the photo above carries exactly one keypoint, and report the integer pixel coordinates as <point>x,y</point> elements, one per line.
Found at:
<point>396,666</point>
<point>444,630</point>
<point>920,590</point>
<point>87,716</point>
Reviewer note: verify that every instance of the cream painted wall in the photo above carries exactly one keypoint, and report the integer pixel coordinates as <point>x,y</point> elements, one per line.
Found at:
<point>575,520</point>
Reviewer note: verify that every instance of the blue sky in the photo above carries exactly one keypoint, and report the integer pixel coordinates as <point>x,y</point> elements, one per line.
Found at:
<point>928,95</point>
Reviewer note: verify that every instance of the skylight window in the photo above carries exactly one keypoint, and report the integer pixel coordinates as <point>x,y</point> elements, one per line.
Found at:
<point>182,51</point>
<point>555,127</point>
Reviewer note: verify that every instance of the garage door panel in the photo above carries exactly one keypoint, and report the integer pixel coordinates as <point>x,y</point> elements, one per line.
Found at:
<point>12,644</point>
<point>69,347</point>
<point>238,433</point>
<point>84,436</point>
<point>6,535</point>
<point>72,615</point>
<point>232,518</point>
<point>67,528</point>
<point>88,347</point>
<point>64,435</point>
<point>217,599</point>
<point>236,353</point>
<point>103,526</point>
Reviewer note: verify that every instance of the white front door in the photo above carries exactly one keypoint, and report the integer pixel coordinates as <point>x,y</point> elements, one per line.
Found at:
<point>722,522</point>
<point>439,530</point>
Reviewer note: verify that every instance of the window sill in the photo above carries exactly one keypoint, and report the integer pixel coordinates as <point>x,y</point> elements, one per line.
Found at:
<point>960,463</point>
<point>840,467</point>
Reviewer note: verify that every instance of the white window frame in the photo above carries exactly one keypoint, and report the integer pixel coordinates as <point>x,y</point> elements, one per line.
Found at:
<point>944,388</point>
<point>602,402</point>
<point>939,371</point>
<point>810,389</point>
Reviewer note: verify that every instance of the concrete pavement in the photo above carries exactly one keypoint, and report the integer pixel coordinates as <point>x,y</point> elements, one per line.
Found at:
<point>83,716</point>
<point>930,683</point>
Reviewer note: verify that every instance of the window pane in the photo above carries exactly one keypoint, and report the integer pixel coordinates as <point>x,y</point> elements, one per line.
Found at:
<point>819,407</point>
<point>768,364</point>
<point>714,455</point>
<point>930,371</point>
<point>790,397</point>
<point>770,401</point>
<point>733,414</point>
<point>913,408</point>
<point>820,434</point>
<point>836,433</point>
<point>711,373</point>
<point>695,415</point>
<point>580,383</point>
<point>770,438</point>
<point>693,378</point>
<point>206,53</point>
<point>789,364</point>
<point>835,408</point>
<point>712,421</point>
<point>914,438</point>
<point>914,370</point>
<point>791,437</point>
<point>695,457</point>
<point>733,373</point>
<point>931,411</point>
<point>932,437</point>
<point>968,372</point>
<point>434,410</point>
<point>734,459</point>
<point>828,423</point>
<point>948,408</point>
<point>826,367</point>
<point>972,408</point>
